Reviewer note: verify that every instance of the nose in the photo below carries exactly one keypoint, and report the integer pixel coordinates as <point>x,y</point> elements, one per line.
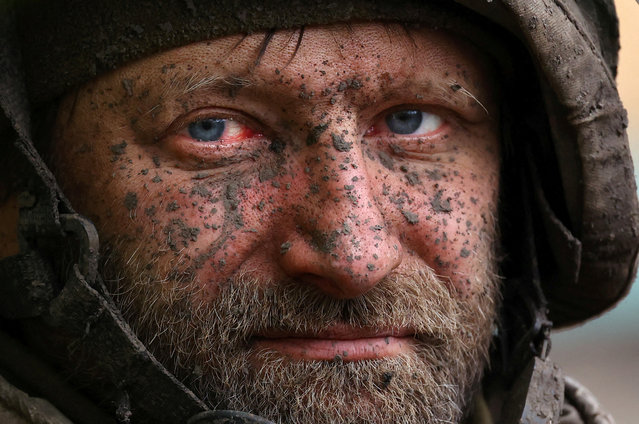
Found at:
<point>338,239</point>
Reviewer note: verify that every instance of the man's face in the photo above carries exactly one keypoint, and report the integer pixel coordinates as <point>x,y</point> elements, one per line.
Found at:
<point>304,231</point>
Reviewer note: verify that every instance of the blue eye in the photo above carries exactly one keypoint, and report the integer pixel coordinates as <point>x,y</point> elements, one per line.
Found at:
<point>404,121</point>
<point>412,122</point>
<point>210,129</point>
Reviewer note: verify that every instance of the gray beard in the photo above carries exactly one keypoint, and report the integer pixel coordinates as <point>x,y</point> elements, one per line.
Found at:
<point>209,345</point>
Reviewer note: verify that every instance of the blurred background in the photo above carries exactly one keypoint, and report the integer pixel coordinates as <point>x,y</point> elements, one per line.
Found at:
<point>604,354</point>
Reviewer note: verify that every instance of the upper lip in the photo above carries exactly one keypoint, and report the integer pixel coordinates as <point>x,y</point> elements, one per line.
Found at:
<point>339,332</point>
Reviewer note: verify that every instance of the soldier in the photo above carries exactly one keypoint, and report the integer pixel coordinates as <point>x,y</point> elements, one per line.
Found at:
<point>308,213</point>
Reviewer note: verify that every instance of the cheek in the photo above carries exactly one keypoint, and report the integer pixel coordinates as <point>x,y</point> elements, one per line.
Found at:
<point>446,220</point>
<point>210,226</point>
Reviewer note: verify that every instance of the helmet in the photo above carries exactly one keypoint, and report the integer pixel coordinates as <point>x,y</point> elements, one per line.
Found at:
<point>569,215</point>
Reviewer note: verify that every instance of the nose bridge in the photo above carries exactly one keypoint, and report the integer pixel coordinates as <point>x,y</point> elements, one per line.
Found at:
<point>344,246</point>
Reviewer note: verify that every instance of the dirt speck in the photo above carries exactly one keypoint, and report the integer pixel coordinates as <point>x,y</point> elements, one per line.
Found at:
<point>131,201</point>
<point>315,133</point>
<point>277,145</point>
<point>386,160</point>
<point>340,144</point>
<point>200,190</point>
<point>173,206</point>
<point>439,204</point>
<point>411,217</point>
<point>412,178</point>
<point>266,172</point>
<point>118,149</point>
<point>434,175</point>
<point>285,247</point>
<point>387,377</point>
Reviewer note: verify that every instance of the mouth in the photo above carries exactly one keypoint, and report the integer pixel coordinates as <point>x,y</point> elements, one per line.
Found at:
<point>339,342</point>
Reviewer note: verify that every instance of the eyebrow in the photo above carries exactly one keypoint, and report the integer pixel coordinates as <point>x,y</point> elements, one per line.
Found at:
<point>181,85</point>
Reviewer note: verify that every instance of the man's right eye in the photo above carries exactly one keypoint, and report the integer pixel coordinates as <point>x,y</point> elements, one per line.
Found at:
<point>207,129</point>
<point>219,130</point>
<point>212,136</point>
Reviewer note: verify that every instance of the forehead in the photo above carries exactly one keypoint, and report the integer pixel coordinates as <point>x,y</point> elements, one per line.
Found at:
<point>385,52</point>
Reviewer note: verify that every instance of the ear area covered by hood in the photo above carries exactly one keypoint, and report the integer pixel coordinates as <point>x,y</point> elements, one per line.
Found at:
<point>573,45</point>
<point>574,48</point>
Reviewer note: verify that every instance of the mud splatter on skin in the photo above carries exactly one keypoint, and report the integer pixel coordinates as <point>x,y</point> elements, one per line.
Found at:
<point>315,133</point>
<point>412,178</point>
<point>285,247</point>
<point>277,145</point>
<point>386,160</point>
<point>131,201</point>
<point>411,217</point>
<point>340,144</point>
<point>173,206</point>
<point>118,149</point>
<point>434,175</point>
<point>266,173</point>
<point>440,205</point>
<point>179,235</point>
<point>201,191</point>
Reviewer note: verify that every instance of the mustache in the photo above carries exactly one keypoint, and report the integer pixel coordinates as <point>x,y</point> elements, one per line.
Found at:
<point>418,301</point>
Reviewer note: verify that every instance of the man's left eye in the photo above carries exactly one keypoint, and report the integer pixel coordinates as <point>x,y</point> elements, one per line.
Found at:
<point>218,129</point>
<point>412,122</point>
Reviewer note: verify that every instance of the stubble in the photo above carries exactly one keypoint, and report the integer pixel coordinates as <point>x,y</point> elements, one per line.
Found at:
<point>209,345</point>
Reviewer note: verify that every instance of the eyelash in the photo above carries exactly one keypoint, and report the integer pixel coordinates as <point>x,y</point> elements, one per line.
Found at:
<point>213,124</point>
<point>225,150</point>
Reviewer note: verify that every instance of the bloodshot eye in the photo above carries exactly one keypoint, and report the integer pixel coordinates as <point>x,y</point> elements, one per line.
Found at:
<point>210,129</point>
<point>206,130</point>
<point>412,122</point>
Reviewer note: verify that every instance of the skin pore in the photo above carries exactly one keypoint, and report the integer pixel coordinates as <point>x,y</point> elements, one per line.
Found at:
<point>309,238</point>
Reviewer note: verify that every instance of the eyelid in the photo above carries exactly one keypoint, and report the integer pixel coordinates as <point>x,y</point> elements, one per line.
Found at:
<point>183,121</point>
<point>444,115</point>
<point>197,155</point>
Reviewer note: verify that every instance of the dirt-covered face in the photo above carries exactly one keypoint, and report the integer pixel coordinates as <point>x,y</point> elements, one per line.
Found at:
<point>302,230</point>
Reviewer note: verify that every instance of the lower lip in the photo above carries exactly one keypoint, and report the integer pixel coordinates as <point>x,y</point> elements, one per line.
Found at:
<point>312,349</point>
